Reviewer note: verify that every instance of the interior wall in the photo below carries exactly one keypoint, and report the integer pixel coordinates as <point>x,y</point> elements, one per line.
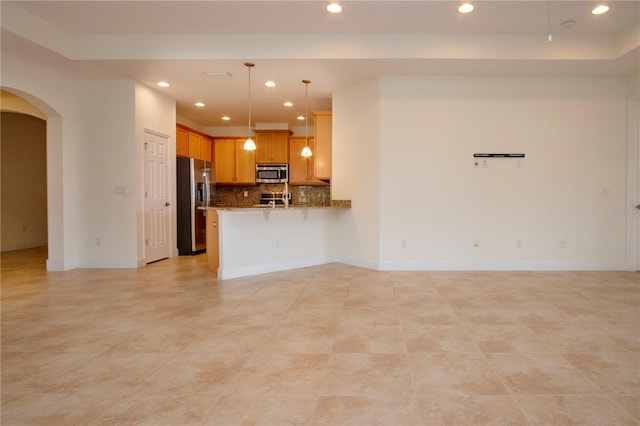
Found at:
<point>107,163</point>
<point>356,176</point>
<point>23,167</point>
<point>555,209</point>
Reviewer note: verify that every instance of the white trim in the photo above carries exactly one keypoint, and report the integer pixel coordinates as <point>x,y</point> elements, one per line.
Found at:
<point>55,265</point>
<point>502,266</point>
<point>633,183</point>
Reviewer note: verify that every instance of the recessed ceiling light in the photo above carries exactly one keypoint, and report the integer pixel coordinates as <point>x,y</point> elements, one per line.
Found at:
<point>599,10</point>
<point>288,104</point>
<point>334,8</point>
<point>300,117</point>
<point>226,118</point>
<point>199,104</point>
<point>163,84</point>
<point>270,84</point>
<point>465,8</point>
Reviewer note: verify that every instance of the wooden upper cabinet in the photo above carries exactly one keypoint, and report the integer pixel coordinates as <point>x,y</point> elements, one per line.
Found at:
<point>301,168</point>
<point>272,146</point>
<point>234,165</point>
<point>205,149</point>
<point>322,129</point>
<point>193,144</point>
<point>182,142</point>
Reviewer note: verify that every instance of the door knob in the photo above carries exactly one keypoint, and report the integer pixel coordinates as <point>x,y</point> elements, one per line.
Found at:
<point>167,204</point>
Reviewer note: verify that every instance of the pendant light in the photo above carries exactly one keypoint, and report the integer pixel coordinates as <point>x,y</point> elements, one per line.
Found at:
<point>306,151</point>
<point>249,144</point>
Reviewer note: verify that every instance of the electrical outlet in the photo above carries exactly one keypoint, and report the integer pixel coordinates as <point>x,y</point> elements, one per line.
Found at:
<point>518,243</point>
<point>277,243</point>
<point>246,194</point>
<point>563,244</point>
<point>98,242</point>
<point>403,243</point>
<point>485,164</point>
<point>476,242</point>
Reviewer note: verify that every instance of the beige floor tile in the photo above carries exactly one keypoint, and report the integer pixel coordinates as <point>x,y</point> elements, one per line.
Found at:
<point>269,374</point>
<point>261,410</point>
<point>426,314</point>
<point>290,338</point>
<point>229,338</point>
<point>366,410</point>
<point>464,374</point>
<point>367,375</point>
<point>195,373</point>
<point>613,372</point>
<point>369,339</point>
<point>507,338</point>
<point>631,403</point>
<point>109,373</point>
<point>578,410</point>
<point>153,410</point>
<point>169,344</point>
<point>438,339</point>
<point>537,374</point>
<point>456,410</point>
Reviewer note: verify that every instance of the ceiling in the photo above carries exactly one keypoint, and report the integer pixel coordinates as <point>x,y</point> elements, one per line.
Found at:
<point>179,41</point>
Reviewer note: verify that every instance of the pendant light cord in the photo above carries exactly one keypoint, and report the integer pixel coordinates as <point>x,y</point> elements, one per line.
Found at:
<point>249,65</point>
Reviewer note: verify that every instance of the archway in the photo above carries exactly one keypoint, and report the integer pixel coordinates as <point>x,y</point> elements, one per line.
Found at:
<point>54,177</point>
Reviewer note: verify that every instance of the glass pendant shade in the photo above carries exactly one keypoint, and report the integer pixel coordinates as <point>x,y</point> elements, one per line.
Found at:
<point>306,151</point>
<point>249,144</point>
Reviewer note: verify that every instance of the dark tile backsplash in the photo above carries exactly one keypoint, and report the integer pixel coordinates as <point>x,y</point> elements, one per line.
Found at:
<point>300,195</point>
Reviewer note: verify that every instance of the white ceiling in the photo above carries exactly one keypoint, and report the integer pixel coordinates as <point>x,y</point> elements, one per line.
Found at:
<point>289,41</point>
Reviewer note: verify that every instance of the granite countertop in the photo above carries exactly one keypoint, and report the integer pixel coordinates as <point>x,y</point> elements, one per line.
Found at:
<point>335,204</point>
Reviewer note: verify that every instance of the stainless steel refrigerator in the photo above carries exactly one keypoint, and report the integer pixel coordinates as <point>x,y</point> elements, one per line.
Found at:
<point>195,188</point>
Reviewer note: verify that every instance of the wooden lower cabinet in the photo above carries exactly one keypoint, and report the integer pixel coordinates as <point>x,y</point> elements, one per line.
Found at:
<point>213,241</point>
<point>234,165</point>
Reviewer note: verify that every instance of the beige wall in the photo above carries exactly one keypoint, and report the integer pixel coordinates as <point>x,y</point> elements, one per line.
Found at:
<point>24,182</point>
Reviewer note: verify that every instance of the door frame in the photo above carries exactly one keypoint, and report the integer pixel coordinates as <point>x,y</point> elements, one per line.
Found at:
<point>170,194</point>
<point>633,183</point>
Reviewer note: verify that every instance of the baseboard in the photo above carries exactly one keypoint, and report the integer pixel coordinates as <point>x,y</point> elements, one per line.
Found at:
<point>502,266</point>
<point>55,265</point>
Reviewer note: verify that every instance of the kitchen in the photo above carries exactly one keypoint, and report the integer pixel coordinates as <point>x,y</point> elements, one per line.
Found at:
<point>236,216</point>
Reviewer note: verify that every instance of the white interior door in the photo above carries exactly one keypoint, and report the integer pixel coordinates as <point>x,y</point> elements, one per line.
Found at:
<point>156,197</point>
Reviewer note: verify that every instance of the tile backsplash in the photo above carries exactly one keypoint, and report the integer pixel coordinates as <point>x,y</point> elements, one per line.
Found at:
<point>315,196</point>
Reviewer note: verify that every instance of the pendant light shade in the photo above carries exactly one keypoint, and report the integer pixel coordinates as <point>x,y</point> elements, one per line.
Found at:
<point>249,144</point>
<point>306,151</point>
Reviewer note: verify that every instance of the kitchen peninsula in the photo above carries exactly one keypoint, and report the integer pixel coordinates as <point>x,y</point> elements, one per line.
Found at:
<point>244,241</point>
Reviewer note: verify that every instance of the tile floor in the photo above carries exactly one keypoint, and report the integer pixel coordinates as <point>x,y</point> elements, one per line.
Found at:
<point>167,344</point>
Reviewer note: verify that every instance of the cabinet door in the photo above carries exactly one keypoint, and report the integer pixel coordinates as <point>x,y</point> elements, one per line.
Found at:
<point>225,160</point>
<point>205,149</point>
<point>279,148</point>
<point>182,142</point>
<point>298,165</point>
<point>194,145</point>
<point>245,164</point>
<point>322,138</point>
<point>263,148</point>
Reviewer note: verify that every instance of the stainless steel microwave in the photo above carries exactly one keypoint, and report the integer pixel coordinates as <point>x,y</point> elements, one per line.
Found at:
<point>272,173</point>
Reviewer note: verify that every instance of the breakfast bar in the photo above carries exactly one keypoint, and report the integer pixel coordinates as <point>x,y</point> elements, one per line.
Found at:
<point>244,241</point>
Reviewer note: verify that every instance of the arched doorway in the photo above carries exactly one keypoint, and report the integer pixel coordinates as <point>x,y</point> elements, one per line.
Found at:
<point>54,176</point>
